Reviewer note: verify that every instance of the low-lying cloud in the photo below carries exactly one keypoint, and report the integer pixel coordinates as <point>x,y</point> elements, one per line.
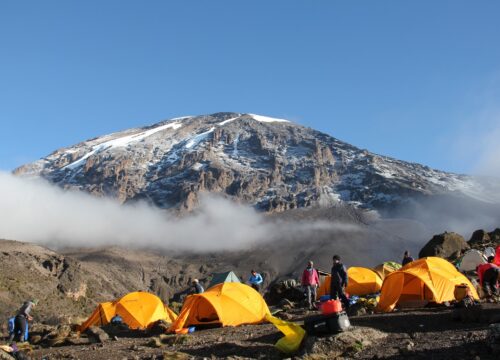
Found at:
<point>36,211</point>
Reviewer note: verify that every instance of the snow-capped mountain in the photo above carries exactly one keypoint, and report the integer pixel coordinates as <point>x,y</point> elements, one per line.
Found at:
<point>270,163</point>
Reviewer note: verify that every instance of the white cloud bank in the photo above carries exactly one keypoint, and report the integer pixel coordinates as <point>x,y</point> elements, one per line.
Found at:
<point>36,211</point>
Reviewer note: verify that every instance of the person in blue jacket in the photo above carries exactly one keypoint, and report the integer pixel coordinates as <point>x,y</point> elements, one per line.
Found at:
<point>255,280</point>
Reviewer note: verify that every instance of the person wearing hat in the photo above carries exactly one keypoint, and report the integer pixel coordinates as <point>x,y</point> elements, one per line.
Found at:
<point>21,320</point>
<point>310,281</point>
<point>338,281</point>
<point>197,288</point>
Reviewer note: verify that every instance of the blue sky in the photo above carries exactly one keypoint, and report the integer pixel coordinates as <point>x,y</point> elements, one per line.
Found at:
<point>419,80</point>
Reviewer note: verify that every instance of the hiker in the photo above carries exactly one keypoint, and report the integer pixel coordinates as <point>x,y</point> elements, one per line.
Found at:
<point>116,320</point>
<point>406,258</point>
<point>21,321</point>
<point>310,281</point>
<point>338,281</point>
<point>255,280</point>
<point>197,288</point>
<point>489,275</point>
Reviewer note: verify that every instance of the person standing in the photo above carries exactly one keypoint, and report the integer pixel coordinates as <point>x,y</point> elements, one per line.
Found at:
<point>406,258</point>
<point>338,281</point>
<point>310,281</point>
<point>255,280</point>
<point>197,288</point>
<point>21,320</point>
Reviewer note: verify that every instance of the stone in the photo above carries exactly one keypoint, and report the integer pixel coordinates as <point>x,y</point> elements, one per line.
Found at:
<point>97,334</point>
<point>155,342</point>
<point>479,237</point>
<point>493,338</point>
<point>285,303</point>
<point>5,356</point>
<point>35,339</point>
<point>467,314</point>
<point>448,245</point>
<point>78,341</point>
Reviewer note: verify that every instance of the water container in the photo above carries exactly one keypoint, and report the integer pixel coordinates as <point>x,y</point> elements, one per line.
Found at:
<point>461,291</point>
<point>331,307</point>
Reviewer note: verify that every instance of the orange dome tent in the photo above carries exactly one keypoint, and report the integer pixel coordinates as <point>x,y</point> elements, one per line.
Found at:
<point>361,281</point>
<point>430,278</point>
<point>137,309</point>
<point>226,304</point>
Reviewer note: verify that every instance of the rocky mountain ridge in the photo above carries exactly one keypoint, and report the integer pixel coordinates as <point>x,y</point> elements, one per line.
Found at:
<point>272,164</point>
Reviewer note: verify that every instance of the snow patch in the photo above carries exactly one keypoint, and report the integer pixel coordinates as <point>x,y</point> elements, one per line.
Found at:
<point>197,166</point>
<point>227,121</point>
<point>266,119</point>
<point>196,140</point>
<point>120,142</point>
<point>235,145</point>
<point>181,118</point>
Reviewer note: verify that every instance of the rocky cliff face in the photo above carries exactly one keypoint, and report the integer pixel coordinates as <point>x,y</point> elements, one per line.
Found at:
<point>272,164</point>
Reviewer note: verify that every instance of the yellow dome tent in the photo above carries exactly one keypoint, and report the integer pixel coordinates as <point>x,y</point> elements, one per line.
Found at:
<point>137,309</point>
<point>361,281</point>
<point>386,268</point>
<point>226,304</point>
<point>430,278</point>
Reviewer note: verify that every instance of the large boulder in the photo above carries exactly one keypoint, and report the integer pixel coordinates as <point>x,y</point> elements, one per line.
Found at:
<point>448,245</point>
<point>495,236</point>
<point>478,238</point>
<point>288,289</point>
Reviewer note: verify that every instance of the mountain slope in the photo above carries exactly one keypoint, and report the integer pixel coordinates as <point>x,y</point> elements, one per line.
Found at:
<point>272,164</point>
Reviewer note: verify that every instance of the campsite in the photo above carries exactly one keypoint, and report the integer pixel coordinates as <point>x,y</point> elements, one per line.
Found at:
<point>284,180</point>
<point>409,313</point>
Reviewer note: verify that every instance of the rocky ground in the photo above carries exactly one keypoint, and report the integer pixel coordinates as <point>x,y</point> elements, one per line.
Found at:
<point>429,333</point>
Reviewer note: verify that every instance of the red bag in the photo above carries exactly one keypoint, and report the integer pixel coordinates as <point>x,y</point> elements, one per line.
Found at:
<point>331,307</point>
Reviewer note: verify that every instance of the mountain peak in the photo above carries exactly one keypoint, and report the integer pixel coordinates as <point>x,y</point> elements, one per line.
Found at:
<point>270,163</point>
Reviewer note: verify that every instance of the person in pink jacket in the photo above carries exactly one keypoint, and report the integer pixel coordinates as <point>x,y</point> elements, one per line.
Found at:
<point>310,282</point>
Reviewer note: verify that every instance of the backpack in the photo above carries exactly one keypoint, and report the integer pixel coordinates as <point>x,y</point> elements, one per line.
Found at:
<point>11,324</point>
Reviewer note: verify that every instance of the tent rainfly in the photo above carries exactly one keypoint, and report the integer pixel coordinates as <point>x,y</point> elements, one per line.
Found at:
<point>137,309</point>
<point>432,279</point>
<point>361,281</point>
<point>471,260</point>
<point>224,277</point>
<point>226,304</point>
<point>386,268</point>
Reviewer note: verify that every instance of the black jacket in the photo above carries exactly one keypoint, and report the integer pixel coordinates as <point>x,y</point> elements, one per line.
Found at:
<point>339,276</point>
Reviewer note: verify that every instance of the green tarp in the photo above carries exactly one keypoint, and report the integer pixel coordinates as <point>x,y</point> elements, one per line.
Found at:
<point>219,278</point>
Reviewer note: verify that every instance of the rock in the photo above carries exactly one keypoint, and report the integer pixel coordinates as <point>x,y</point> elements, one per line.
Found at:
<point>448,245</point>
<point>284,290</point>
<point>284,316</point>
<point>35,339</point>
<point>78,341</point>
<point>5,356</point>
<point>159,327</point>
<point>343,344</point>
<point>493,338</point>
<point>154,342</point>
<point>134,348</point>
<point>175,355</point>
<point>467,314</point>
<point>97,334</point>
<point>286,304</point>
<point>495,236</point>
<point>356,310</point>
<point>479,237</point>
